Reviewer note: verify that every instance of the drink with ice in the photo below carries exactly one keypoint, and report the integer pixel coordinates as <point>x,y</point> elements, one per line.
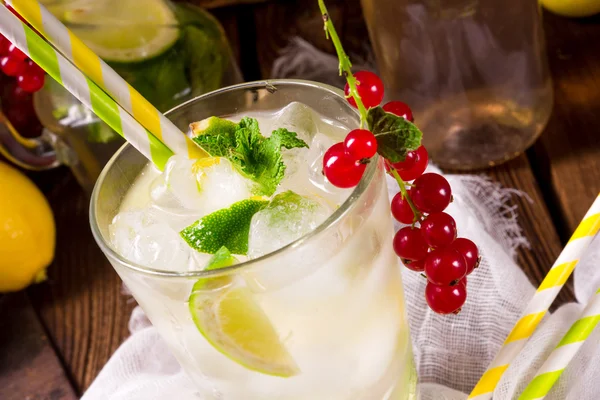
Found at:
<point>305,301</point>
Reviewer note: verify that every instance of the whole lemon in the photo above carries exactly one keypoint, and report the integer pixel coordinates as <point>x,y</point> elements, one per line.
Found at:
<point>27,233</point>
<point>572,8</point>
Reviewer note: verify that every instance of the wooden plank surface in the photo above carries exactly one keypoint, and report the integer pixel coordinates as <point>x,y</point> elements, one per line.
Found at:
<point>567,156</point>
<point>29,367</point>
<point>82,304</point>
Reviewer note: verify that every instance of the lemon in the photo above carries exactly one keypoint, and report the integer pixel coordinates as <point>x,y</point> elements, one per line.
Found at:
<point>573,8</point>
<point>121,30</point>
<point>27,234</point>
<point>230,319</point>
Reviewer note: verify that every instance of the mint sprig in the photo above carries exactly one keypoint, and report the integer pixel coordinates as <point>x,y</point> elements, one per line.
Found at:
<point>257,157</point>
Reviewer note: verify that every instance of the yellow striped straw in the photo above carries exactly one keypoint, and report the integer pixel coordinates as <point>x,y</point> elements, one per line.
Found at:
<point>541,301</point>
<point>86,91</point>
<point>564,352</point>
<point>106,77</point>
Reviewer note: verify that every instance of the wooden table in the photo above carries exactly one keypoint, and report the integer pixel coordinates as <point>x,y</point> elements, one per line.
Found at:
<point>55,337</point>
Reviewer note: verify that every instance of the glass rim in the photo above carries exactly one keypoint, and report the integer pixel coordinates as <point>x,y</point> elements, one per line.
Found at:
<point>346,207</point>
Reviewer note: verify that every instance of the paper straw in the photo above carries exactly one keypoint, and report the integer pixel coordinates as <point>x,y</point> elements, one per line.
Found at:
<point>106,77</point>
<point>86,91</point>
<point>562,355</point>
<point>541,301</point>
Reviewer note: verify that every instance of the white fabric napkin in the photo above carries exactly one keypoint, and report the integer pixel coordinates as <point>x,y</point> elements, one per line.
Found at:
<point>451,352</point>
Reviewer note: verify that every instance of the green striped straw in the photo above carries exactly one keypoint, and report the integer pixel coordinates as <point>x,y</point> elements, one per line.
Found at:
<point>85,90</point>
<point>560,357</point>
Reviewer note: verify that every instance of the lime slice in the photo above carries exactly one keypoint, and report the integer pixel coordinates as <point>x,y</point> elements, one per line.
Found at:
<point>227,227</point>
<point>213,126</point>
<point>229,318</point>
<point>235,325</point>
<point>122,30</point>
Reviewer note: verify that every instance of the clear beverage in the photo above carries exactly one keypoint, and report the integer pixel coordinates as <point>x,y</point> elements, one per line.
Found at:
<point>474,73</point>
<point>325,277</point>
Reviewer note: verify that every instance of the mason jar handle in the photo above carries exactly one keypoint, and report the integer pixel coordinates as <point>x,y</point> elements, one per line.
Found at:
<point>33,154</point>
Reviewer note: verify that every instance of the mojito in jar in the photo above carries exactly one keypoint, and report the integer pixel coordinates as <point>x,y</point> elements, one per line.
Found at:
<point>265,280</point>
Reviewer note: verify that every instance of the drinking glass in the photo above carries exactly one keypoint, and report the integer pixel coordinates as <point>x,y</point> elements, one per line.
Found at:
<point>334,296</point>
<point>474,73</point>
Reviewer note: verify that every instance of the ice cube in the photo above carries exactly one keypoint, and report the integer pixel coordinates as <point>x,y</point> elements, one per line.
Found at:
<point>287,218</point>
<point>144,240</point>
<point>221,185</point>
<point>201,186</point>
<point>295,117</point>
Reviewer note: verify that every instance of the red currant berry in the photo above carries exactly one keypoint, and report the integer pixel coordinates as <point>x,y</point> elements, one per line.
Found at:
<point>445,299</point>
<point>439,230</point>
<point>15,53</point>
<point>31,81</point>
<point>469,251</point>
<point>400,109</point>
<point>413,165</point>
<point>445,267</point>
<point>360,143</point>
<point>417,266</point>
<point>431,193</point>
<point>401,209</point>
<point>341,170</point>
<point>410,244</point>
<point>11,66</point>
<point>369,87</point>
<point>4,45</point>
<point>33,68</point>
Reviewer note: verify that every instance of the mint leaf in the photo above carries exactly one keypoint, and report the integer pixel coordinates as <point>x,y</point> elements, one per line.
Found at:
<point>284,138</point>
<point>256,157</point>
<point>227,227</point>
<point>221,259</point>
<point>395,135</point>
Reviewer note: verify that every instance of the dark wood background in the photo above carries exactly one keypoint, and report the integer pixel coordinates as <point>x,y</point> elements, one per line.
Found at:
<point>55,337</point>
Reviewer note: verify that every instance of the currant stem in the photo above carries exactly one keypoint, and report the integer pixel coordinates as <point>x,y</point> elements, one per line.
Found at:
<point>345,64</point>
<point>402,185</point>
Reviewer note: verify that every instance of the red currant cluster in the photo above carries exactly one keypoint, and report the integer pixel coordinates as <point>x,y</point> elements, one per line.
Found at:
<point>430,245</point>
<point>16,64</point>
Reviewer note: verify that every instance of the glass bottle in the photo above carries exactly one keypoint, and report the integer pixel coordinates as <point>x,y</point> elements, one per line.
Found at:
<point>474,73</point>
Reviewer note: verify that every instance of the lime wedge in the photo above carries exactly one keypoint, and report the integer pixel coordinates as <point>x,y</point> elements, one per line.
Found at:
<point>122,30</point>
<point>229,318</point>
<point>235,325</point>
<point>227,227</point>
<point>222,258</point>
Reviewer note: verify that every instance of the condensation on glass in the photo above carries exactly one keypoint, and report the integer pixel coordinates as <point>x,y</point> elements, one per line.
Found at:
<point>474,72</point>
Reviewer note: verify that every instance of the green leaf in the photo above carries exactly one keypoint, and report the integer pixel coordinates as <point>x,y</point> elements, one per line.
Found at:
<point>395,135</point>
<point>227,227</point>
<point>256,157</point>
<point>222,258</point>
